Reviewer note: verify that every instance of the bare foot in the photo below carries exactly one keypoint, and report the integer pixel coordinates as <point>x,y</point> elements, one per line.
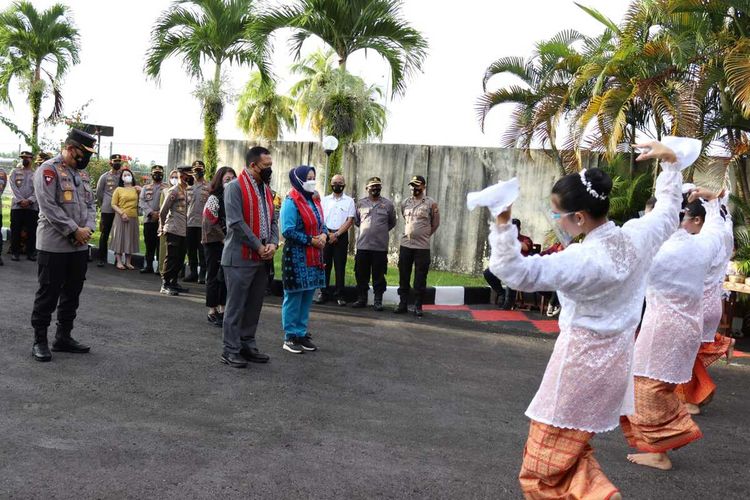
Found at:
<point>730,351</point>
<point>656,460</point>
<point>692,409</point>
<point>616,496</point>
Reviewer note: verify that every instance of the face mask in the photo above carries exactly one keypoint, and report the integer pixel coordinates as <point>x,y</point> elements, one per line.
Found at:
<point>173,181</point>
<point>265,174</point>
<point>416,191</point>
<point>562,236</point>
<point>375,192</point>
<point>127,179</point>
<point>83,161</point>
<point>309,186</point>
<point>26,162</point>
<point>337,188</point>
<point>190,181</point>
<point>227,181</point>
<point>116,165</point>
<point>199,174</point>
<point>157,177</point>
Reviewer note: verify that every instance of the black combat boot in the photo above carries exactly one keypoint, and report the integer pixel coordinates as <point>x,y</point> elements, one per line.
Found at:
<point>40,350</point>
<point>377,304</point>
<point>401,308</point>
<point>65,343</point>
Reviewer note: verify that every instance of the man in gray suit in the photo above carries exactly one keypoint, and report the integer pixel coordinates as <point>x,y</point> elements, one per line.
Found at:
<point>252,239</point>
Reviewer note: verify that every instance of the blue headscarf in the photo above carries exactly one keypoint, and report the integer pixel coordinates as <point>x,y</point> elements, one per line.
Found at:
<point>297,176</point>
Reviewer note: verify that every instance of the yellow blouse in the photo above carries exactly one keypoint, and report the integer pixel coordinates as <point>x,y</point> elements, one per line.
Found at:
<point>126,199</point>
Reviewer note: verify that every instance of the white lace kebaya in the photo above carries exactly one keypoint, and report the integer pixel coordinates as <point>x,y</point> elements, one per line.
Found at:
<point>672,328</point>
<point>588,382</point>
<point>714,283</point>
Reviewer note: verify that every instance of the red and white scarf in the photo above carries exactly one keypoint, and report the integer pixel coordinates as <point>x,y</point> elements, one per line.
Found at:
<point>258,221</point>
<point>313,226</point>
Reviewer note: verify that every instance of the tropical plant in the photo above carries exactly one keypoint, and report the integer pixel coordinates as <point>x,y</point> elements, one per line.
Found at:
<point>200,31</point>
<point>316,71</point>
<point>262,112</point>
<point>38,49</point>
<point>629,192</point>
<point>541,101</point>
<point>347,26</point>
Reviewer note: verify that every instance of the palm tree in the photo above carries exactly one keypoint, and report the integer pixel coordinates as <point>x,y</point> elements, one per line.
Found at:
<point>316,70</point>
<point>39,48</point>
<point>201,31</point>
<point>262,113</point>
<point>348,26</point>
<point>541,100</point>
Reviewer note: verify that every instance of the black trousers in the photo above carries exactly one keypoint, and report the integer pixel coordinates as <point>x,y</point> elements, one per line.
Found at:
<point>419,259</point>
<point>195,254</point>
<point>175,258</point>
<point>22,219</point>
<point>106,223</point>
<point>334,256</point>
<point>497,286</point>
<point>367,263</point>
<point>151,240</point>
<point>61,277</point>
<point>216,287</point>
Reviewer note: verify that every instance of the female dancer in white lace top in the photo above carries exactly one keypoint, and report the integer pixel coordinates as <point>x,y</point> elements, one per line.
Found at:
<point>588,382</point>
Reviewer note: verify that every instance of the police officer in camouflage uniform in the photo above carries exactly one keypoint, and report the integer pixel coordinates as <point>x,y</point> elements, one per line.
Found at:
<point>23,210</point>
<point>105,186</point>
<point>3,183</point>
<point>148,204</point>
<point>173,224</point>
<point>197,194</point>
<point>67,218</point>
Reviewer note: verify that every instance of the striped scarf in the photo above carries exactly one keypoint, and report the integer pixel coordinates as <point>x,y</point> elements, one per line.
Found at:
<point>258,220</point>
<point>313,226</point>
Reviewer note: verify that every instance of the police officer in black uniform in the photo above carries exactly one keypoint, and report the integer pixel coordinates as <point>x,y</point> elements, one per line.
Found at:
<point>67,215</point>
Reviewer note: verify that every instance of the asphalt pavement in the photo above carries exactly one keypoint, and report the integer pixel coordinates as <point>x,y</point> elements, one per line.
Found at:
<point>389,407</point>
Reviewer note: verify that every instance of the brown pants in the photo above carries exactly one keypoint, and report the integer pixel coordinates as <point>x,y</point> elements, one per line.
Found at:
<point>560,464</point>
<point>701,387</point>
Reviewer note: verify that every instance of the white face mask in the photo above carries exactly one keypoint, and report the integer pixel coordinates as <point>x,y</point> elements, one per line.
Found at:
<point>173,181</point>
<point>309,186</point>
<point>127,179</point>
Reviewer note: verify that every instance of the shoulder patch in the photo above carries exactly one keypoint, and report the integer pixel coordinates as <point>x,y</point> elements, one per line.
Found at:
<point>49,175</point>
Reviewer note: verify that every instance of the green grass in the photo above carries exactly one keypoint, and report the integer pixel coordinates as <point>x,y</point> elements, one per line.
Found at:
<point>434,278</point>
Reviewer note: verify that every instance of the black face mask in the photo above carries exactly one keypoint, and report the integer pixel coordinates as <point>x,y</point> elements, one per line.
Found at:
<point>338,188</point>
<point>83,161</point>
<point>199,174</point>
<point>157,177</point>
<point>265,174</point>
<point>116,165</point>
<point>190,181</point>
<point>26,162</point>
<point>416,191</point>
<point>374,192</point>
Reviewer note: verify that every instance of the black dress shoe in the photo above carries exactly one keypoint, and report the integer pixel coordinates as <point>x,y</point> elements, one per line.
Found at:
<point>146,270</point>
<point>31,257</point>
<point>15,257</point>
<point>233,360</point>
<point>179,288</point>
<point>359,304</point>
<point>254,355</point>
<point>100,263</point>
<point>1,261</point>
<point>400,308</point>
<point>69,345</point>
<point>40,351</point>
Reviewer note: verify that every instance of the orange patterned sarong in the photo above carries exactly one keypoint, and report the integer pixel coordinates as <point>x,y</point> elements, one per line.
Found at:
<point>660,422</point>
<point>560,463</point>
<point>701,387</point>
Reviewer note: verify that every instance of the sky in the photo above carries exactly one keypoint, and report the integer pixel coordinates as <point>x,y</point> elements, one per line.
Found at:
<point>438,107</point>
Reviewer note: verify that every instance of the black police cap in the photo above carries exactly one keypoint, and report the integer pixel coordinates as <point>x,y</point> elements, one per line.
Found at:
<point>81,138</point>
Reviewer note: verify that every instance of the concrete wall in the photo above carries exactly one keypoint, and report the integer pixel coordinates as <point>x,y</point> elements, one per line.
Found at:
<point>460,244</point>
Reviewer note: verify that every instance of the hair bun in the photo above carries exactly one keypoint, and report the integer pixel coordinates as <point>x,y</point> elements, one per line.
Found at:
<point>600,181</point>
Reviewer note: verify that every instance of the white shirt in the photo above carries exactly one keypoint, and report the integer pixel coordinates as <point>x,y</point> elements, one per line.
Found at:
<point>600,282</point>
<point>337,210</point>
<point>714,283</point>
<point>672,327</point>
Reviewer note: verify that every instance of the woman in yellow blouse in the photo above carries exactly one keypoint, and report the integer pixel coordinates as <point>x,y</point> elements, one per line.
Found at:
<point>125,232</point>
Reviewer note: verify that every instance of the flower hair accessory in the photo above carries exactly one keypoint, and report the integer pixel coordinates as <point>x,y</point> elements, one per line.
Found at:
<point>587,184</point>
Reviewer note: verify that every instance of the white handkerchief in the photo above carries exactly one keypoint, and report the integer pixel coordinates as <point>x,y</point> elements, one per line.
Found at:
<point>497,198</point>
<point>687,150</point>
<point>687,187</point>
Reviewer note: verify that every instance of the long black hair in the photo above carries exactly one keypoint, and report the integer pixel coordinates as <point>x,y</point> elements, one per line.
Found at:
<point>217,184</point>
<point>573,195</point>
